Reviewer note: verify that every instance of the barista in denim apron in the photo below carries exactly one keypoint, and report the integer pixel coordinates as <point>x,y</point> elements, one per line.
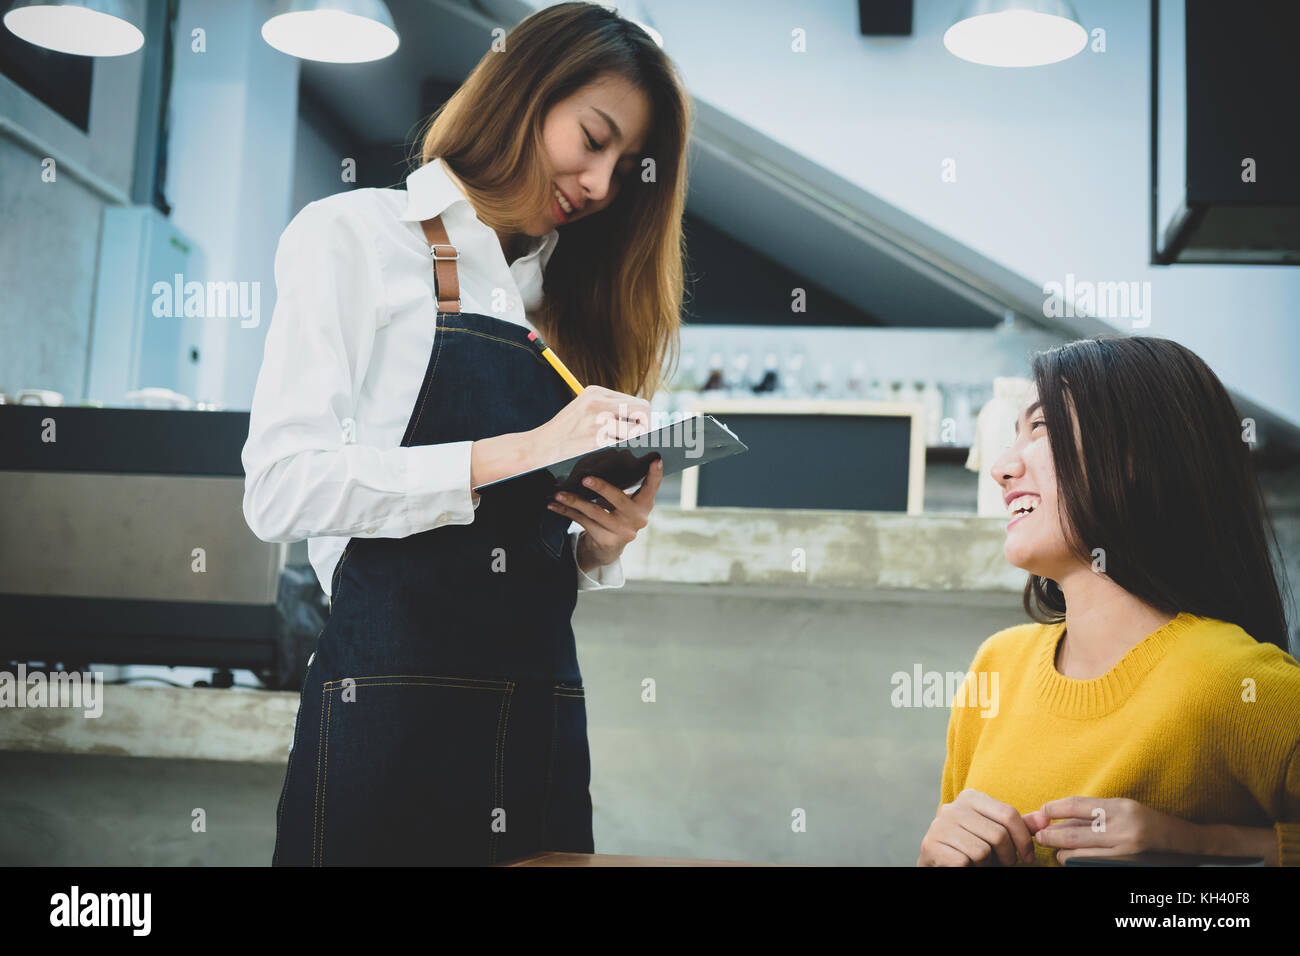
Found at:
<point>442,718</point>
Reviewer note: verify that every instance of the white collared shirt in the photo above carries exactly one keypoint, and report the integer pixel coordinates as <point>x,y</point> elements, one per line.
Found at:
<point>345,356</point>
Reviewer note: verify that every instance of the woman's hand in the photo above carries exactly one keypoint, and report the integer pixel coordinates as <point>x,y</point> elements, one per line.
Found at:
<point>1091,826</point>
<point>976,830</point>
<point>607,533</point>
<point>597,417</point>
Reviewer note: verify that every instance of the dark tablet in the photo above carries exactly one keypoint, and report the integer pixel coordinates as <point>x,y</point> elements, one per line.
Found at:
<point>690,441</point>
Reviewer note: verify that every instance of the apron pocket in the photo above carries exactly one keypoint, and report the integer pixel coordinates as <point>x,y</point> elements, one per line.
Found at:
<point>411,770</point>
<point>553,530</point>
<point>567,826</point>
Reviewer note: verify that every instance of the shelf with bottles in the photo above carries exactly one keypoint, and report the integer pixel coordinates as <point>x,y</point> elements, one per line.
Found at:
<point>951,407</point>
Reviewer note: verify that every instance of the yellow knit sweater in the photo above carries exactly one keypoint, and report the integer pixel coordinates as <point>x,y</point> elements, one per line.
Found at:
<point>1172,725</point>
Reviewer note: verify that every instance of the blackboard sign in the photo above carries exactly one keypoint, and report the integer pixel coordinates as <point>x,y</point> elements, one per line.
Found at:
<point>836,455</point>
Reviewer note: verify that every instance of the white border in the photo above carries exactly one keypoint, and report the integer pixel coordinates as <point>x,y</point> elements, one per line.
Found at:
<point>795,406</point>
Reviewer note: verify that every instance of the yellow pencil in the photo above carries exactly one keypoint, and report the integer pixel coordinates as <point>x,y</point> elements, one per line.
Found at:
<point>556,363</point>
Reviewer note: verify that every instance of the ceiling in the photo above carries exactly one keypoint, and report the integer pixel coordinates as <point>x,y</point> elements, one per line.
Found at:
<point>754,190</point>
<point>758,192</point>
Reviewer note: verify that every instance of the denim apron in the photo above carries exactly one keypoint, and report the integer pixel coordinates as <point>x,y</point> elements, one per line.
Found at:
<point>442,717</point>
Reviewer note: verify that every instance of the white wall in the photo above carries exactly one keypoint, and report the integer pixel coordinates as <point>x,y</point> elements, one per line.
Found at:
<point>234,121</point>
<point>49,231</point>
<point>316,167</point>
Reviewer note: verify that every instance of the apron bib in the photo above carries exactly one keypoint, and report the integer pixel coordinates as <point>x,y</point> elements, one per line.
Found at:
<point>442,717</point>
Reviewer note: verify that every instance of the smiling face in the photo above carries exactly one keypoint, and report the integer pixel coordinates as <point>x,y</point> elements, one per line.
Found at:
<point>1027,475</point>
<point>593,140</point>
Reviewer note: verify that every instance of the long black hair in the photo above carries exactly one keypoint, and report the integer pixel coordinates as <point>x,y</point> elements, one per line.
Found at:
<point>1161,480</point>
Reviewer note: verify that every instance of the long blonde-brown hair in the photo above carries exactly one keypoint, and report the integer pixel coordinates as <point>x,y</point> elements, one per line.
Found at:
<point>613,285</point>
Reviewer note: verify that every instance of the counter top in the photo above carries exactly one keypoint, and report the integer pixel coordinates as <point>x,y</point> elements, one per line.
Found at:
<point>835,549</point>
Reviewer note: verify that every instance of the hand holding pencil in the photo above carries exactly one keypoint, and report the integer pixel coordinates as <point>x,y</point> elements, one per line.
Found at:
<point>597,416</point>
<point>606,531</point>
<point>631,416</point>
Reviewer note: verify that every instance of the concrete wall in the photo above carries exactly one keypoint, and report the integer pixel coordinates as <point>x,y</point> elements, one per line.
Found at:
<point>773,693</point>
<point>50,239</point>
<point>766,702</point>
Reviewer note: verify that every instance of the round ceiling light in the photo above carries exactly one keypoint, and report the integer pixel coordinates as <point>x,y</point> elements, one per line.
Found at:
<point>332,31</point>
<point>81,27</point>
<point>1016,33</point>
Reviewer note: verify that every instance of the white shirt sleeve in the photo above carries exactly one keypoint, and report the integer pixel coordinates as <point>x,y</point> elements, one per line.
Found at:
<point>607,575</point>
<point>305,473</point>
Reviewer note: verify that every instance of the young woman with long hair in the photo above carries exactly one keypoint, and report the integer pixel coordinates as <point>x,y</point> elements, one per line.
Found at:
<point>1154,705</point>
<point>442,717</point>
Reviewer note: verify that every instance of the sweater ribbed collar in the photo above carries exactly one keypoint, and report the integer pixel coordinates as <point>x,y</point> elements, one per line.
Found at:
<point>1083,699</point>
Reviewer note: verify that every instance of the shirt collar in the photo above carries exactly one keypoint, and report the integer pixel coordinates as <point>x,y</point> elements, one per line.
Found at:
<point>430,192</point>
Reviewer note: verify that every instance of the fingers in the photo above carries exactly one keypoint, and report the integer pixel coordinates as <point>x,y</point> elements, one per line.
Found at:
<point>620,429</point>
<point>611,415</point>
<point>592,517</point>
<point>613,428</point>
<point>992,834</point>
<point>572,515</point>
<point>1035,820</point>
<point>1073,835</point>
<point>635,513</point>
<point>634,410</point>
<point>976,850</point>
<point>1073,807</point>
<point>979,829</point>
<point>1063,855</point>
<point>640,419</point>
<point>650,487</point>
<point>941,854</point>
<point>1006,815</point>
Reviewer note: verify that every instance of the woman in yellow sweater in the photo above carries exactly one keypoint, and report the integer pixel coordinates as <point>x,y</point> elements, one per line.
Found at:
<point>1154,706</point>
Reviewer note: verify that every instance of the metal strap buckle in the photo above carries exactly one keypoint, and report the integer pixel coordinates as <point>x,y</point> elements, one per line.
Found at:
<point>433,251</point>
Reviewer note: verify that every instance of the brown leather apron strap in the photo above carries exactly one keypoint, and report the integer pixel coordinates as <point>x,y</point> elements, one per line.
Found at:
<point>444,254</point>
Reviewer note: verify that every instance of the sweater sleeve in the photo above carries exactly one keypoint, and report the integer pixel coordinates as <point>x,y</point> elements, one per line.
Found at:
<point>1270,769</point>
<point>949,784</point>
<point>961,732</point>
<point>1288,830</point>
